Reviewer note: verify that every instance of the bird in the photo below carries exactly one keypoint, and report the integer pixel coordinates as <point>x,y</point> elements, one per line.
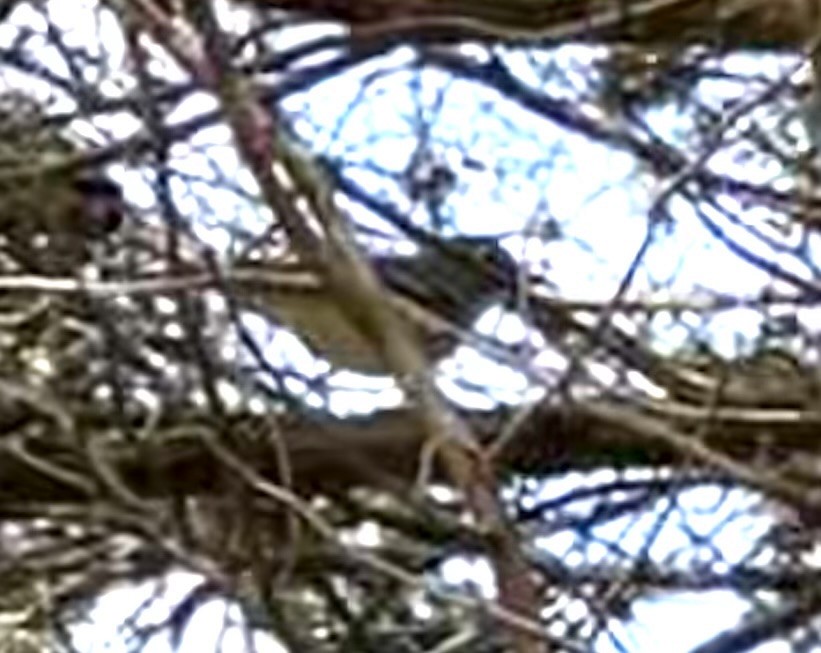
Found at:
<point>51,210</point>
<point>442,289</point>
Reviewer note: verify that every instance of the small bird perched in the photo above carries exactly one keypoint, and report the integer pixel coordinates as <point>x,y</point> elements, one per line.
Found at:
<point>51,206</point>
<point>442,289</point>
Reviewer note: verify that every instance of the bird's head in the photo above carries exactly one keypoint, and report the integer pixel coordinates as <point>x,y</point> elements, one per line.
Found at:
<point>101,204</point>
<point>489,260</point>
<point>43,201</point>
<point>457,278</point>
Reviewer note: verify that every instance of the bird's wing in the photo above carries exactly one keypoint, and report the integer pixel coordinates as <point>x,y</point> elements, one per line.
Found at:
<point>296,299</point>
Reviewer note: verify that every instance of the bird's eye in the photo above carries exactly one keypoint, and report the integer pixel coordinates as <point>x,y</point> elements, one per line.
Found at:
<point>490,253</point>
